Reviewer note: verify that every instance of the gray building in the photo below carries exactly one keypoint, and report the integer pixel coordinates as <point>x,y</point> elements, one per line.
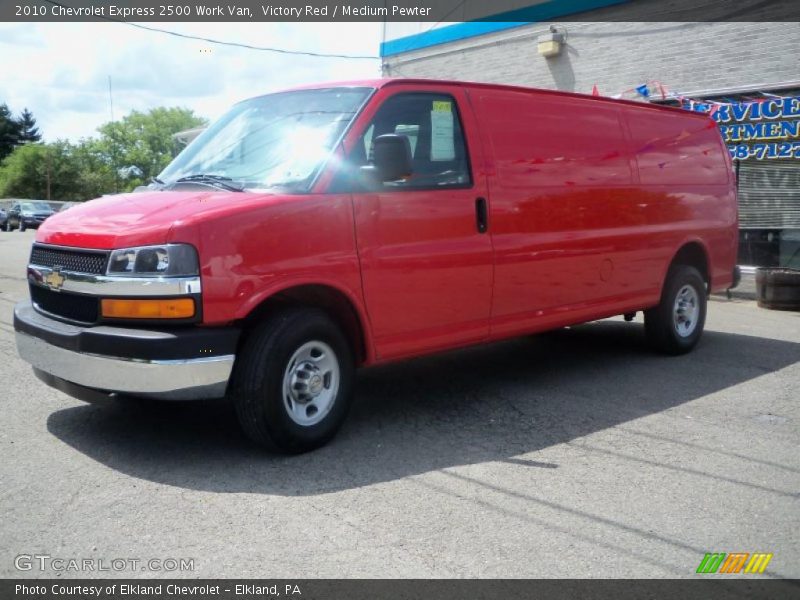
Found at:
<point>745,73</point>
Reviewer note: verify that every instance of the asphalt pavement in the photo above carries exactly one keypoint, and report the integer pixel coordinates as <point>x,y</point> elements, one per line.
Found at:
<point>576,453</point>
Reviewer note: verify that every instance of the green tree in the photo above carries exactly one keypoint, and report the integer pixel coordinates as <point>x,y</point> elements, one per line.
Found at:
<point>97,172</point>
<point>31,169</point>
<point>90,168</point>
<point>9,131</point>
<point>28,131</point>
<point>145,140</point>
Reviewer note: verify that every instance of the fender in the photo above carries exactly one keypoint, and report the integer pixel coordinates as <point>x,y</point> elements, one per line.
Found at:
<point>353,297</point>
<point>691,239</point>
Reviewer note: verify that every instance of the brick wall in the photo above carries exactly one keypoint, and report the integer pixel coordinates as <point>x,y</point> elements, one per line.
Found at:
<point>684,56</point>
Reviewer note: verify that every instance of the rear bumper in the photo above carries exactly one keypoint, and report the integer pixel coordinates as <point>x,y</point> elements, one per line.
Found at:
<point>737,277</point>
<point>171,364</point>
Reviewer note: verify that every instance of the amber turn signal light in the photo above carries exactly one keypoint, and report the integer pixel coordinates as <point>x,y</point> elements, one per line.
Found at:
<point>181,308</point>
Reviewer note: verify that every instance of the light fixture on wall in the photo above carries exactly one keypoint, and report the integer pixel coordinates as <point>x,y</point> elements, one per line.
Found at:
<point>551,42</point>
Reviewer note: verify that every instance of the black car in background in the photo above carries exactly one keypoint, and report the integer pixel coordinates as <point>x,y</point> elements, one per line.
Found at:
<point>27,214</point>
<point>3,218</point>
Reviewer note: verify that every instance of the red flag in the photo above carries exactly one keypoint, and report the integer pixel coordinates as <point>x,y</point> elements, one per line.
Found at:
<point>595,91</point>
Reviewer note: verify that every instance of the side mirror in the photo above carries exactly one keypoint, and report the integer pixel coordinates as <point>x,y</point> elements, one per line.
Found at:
<point>391,157</point>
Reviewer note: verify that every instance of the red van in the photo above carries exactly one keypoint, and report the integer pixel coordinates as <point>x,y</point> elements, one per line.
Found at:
<point>313,231</point>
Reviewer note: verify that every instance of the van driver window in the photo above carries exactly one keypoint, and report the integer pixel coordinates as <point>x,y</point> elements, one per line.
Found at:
<point>433,128</point>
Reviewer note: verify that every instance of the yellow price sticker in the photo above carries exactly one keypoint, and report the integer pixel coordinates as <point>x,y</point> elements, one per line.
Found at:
<point>442,106</point>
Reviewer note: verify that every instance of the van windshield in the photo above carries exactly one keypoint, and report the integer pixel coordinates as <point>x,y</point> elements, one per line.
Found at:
<point>278,140</point>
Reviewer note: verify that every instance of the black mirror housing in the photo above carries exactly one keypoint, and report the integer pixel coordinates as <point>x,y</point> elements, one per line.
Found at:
<point>391,156</point>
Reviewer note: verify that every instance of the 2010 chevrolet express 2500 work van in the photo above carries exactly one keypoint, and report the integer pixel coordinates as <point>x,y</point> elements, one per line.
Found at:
<point>317,230</point>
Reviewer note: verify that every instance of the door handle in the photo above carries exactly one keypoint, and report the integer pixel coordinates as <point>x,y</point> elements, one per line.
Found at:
<point>481,215</point>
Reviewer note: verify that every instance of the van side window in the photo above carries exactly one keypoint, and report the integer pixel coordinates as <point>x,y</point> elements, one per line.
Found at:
<point>433,127</point>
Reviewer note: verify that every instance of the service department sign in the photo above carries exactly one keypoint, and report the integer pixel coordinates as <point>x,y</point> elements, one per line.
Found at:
<point>761,130</point>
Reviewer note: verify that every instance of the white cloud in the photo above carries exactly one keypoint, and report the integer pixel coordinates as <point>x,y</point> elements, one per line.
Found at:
<point>60,71</point>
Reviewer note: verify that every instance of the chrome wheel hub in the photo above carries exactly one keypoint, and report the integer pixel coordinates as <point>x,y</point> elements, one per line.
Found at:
<point>310,383</point>
<point>686,311</point>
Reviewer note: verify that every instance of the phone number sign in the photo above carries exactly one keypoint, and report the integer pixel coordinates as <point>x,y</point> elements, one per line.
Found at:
<point>760,130</point>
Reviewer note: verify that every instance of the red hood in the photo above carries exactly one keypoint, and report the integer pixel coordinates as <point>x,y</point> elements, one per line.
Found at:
<point>142,218</point>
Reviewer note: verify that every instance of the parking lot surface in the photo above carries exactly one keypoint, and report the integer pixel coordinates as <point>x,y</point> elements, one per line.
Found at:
<point>571,454</point>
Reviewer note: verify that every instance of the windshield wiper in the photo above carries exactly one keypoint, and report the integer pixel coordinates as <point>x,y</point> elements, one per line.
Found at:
<point>220,181</point>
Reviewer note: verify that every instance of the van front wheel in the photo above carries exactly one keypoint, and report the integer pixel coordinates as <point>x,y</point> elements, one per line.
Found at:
<point>676,324</point>
<point>293,381</point>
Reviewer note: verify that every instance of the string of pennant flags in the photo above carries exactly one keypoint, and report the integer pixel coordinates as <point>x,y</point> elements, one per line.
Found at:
<point>655,89</point>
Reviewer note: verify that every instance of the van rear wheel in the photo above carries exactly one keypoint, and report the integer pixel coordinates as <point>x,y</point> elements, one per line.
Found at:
<point>292,385</point>
<point>676,324</point>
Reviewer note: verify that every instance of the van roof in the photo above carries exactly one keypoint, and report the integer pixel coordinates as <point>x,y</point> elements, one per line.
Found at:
<point>389,81</point>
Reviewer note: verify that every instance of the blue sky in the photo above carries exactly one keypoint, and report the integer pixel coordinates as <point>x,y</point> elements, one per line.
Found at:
<point>60,70</point>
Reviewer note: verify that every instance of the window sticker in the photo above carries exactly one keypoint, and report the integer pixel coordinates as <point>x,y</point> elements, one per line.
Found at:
<point>442,131</point>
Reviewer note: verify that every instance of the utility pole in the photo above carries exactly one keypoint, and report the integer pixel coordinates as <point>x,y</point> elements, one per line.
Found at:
<point>110,99</point>
<point>48,159</point>
<point>113,141</point>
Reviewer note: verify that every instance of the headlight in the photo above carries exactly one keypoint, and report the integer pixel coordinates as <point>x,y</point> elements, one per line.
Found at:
<point>169,260</point>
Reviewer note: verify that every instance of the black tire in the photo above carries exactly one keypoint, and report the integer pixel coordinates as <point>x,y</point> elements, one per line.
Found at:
<point>257,388</point>
<point>663,333</point>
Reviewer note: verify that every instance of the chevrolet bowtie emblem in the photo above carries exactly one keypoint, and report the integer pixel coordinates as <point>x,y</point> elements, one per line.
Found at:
<point>54,280</point>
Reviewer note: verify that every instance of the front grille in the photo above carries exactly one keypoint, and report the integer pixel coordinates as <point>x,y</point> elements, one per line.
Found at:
<point>79,261</point>
<point>64,304</point>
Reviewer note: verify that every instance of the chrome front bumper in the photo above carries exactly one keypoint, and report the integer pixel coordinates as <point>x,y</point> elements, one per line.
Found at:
<point>67,352</point>
<point>169,379</point>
